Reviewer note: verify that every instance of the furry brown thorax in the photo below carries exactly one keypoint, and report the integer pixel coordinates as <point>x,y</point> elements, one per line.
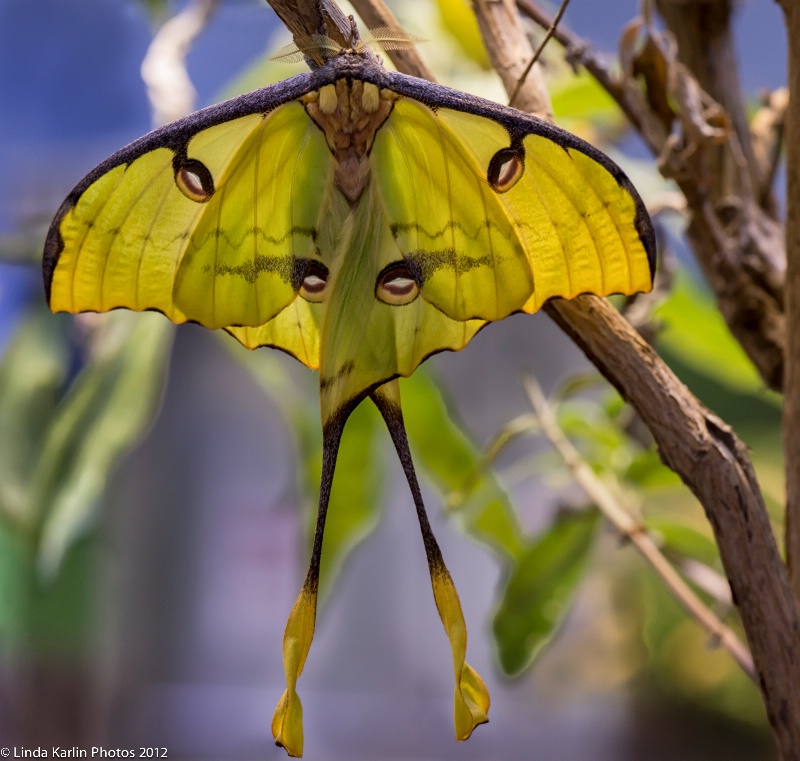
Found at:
<point>350,112</point>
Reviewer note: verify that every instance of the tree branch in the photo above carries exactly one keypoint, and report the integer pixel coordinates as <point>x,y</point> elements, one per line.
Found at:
<point>500,21</point>
<point>791,408</point>
<point>737,243</point>
<point>705,45</point>
<point>408,60</point>
<point>304,18</point>
<point>713,463</point>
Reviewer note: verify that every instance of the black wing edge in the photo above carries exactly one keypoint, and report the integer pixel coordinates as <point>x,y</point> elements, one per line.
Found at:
<point>518,124</point>
<point>175,136</point>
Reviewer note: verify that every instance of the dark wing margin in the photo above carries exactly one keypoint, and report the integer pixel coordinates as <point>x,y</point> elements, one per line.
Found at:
<point>174,136</point>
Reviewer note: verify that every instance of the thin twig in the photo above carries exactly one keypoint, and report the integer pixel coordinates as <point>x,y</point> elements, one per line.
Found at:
<point>548,34</point>
<point>635,532</point>
<point>509,432</point>
<point>581,51</point>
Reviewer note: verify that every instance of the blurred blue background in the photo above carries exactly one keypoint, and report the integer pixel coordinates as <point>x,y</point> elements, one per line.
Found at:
<point>199,542</point>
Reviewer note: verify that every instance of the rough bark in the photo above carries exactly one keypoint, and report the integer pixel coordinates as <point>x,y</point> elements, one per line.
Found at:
<point>304,18</point>
<point>749,293</point>
<point>713,463</point>
<point>791,408</point>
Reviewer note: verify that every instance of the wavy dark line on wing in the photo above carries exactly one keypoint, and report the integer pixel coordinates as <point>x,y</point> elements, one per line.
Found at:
<point>425,263</point>
<point>402,227</point>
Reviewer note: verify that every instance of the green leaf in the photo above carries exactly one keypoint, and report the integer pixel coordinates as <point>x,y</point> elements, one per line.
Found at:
<point>540,588</point>
<point>15,560</point>
<point>105,411</point>
<point>451,462</point>
<point>586,419</point>
<point>695,332</point>
<point>45,618</point>
<point>646,471</point>
<point>683,539</point>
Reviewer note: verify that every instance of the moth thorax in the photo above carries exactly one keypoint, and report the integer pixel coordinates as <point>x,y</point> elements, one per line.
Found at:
<point>349,101</point>
<point>350,112</point>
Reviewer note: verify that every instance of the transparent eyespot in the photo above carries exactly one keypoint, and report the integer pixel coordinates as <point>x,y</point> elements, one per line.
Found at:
<point>315,282</point>
<point>505,169</point>
<point>397,285</point>
<point>194,180</point>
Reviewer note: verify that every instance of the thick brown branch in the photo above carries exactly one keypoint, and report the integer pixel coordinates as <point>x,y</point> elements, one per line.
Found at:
<point>500,20</point>
<point>713,463</point>
<point>705,45</point>
<point>791,409</point>
<point>750,294</point>
<point>304,18</point>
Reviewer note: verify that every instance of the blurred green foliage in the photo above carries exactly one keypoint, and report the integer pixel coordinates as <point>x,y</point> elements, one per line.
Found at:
<point>693,330</point>
<point>66,418</point>
<point>158,10</point>
<point>452,463</point>
<point>63,434</point>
